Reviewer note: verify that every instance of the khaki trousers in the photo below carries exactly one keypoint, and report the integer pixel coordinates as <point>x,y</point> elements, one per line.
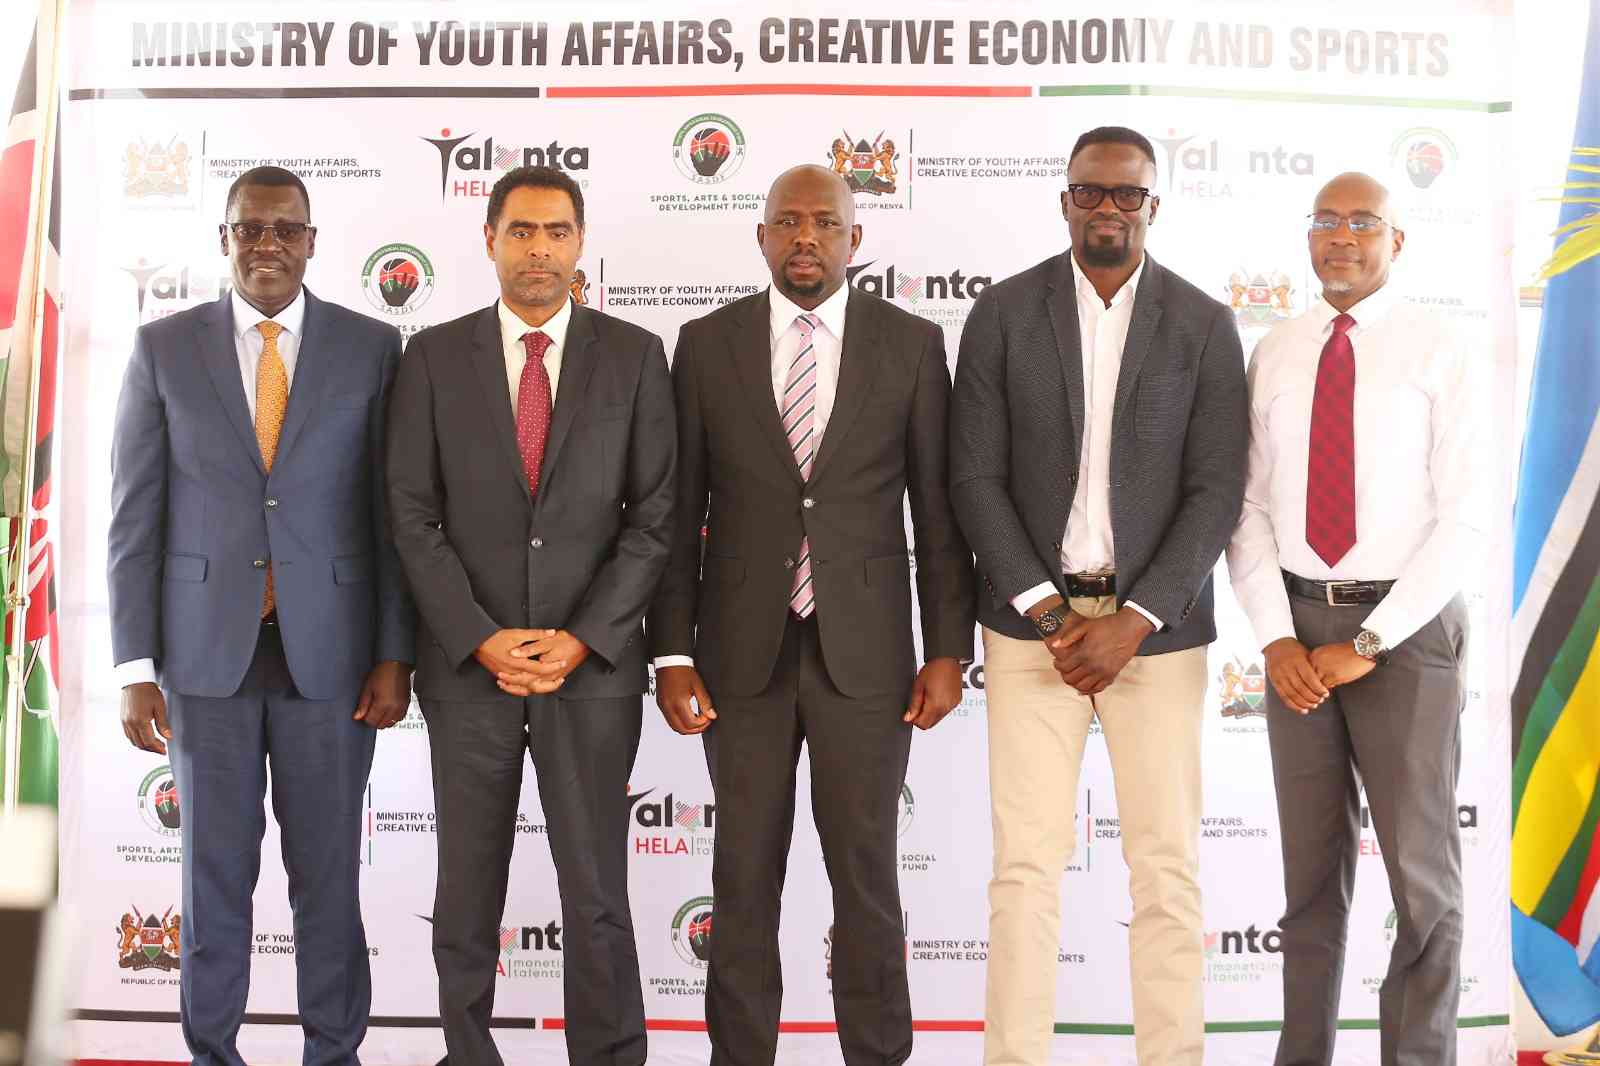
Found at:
<point>1151,716</point>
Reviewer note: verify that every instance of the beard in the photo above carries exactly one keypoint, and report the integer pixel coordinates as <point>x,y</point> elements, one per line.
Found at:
<point>1106,251</point>
<point>792,289</point>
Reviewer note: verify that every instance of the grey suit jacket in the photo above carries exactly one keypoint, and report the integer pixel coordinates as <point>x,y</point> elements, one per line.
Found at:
<point>887,440</point>
<point>1179,434</point>
<point>195,516</point>
<point>483,555</point>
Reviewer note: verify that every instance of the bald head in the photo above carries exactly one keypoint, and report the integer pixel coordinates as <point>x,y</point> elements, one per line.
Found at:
<point>1353,253</point>
<point>808,233</point>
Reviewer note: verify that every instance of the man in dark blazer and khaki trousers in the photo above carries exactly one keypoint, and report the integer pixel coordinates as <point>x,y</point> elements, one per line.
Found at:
<point>794,622</point>
<point>1097,466</point>
<point>531,460</point>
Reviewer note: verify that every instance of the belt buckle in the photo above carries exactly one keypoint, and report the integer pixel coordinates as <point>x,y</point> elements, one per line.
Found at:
<point>1331,590</point>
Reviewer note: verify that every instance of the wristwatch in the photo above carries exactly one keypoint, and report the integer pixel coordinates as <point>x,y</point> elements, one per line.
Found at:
<point>1370,646</point>
<point>1047,622</point>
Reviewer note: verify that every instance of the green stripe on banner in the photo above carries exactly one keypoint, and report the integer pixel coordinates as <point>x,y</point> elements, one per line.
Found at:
<point>1554,692</point>
<point>1481,1021</point>
<point>1563,888</point>
<point>1266,96</point>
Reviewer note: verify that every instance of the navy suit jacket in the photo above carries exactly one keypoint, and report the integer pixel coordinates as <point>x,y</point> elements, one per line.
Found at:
<point>195,517</point>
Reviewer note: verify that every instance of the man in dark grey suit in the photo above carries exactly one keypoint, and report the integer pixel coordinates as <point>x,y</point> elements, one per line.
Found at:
<point>250,568</point>
<point>1097,450</point>
<point>796,617</point>
<point>531,462</point>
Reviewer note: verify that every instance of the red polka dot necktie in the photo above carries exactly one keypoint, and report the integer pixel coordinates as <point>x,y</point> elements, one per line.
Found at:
<point>1331,467</point>
<point>533,407</point>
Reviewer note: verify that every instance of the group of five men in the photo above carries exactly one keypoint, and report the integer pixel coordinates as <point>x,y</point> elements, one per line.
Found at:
<point>528,508</point>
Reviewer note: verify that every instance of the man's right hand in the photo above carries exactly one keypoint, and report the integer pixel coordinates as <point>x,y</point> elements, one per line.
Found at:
<point>676,687</point>
<point>1289,667</point>
<point>494,654</point>
<point>144,717</point>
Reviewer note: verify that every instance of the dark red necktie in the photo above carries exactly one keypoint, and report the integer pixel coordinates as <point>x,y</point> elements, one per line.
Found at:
<point>1331,467</point>
<point>533,407</point>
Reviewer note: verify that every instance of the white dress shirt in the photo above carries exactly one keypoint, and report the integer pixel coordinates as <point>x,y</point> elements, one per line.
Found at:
<point>827,343</point>
<point>511,330</point>
<point>1086,544</point>
<point>1420,466</point>
<point>247,342</point>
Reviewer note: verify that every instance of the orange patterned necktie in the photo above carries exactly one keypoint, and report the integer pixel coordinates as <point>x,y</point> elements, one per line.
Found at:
<point>272,397</point>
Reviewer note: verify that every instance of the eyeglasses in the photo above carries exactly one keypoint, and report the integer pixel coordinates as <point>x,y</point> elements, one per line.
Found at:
<point>1360,225</point>
<point>1126,197</point>
<point>285,233</point>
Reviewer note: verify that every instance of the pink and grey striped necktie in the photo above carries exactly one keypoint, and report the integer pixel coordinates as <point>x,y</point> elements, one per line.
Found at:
<point>800,425</point>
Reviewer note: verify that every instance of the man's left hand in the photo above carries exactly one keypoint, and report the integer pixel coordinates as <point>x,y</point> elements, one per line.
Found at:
<point>386,695</point>
<point>934,693</point>
<point>1338,664</point>
<point>1101,649</point>
<point>558,653</point>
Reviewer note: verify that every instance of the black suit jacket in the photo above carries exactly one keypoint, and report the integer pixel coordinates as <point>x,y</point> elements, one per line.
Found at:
<point>1179,432</point>
<point>887,435</point>
<point>483,555</point>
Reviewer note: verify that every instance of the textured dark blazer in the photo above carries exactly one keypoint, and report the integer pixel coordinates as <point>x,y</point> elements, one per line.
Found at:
<point>195,517</point>
<point>483,555</point>
<point>887,436</point>
<point>1179,433</point>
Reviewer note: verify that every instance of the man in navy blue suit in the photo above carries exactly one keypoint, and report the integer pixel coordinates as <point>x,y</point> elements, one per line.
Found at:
<point>258,613</point>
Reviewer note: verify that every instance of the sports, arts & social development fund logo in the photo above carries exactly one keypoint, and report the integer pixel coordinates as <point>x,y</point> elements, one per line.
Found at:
<point>1260,300</point>
<point>691,932</point>
<point>481,164</point>
<point>866,166</point>
<point>397,279</point>
<point>145,942</point>
<point>708,149</point>
<point>1242,689</point>
<point>158,802</point>
<point>1424,153</point>
<point>151,169</point>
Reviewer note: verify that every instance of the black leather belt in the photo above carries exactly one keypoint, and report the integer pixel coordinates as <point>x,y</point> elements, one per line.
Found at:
<point>1337,593</point>
<point>1091,584</point>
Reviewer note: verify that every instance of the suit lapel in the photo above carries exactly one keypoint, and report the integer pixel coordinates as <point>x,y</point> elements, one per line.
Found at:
<point>859,359</point>
<point>752,360</point>
<point>220,354</point>
<point>1141,333</point>
<point>1062,301</point>
<point>578,357</point>
<point>313,358</point>
<point>488,359</point>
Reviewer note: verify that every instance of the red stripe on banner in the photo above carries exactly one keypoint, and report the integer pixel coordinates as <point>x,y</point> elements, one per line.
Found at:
<point>784,89</point>
<point>47,378</point>
<point>1571,927</point>
<point>16,188</point>
<point>692,1025</point>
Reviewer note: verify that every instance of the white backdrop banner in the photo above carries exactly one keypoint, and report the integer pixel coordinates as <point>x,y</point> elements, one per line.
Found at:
<point>953,122</point>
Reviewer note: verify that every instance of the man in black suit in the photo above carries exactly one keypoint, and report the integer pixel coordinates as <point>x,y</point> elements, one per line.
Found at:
<point>531,463</point>
<point>1097,466</point>
<point>805,415</point>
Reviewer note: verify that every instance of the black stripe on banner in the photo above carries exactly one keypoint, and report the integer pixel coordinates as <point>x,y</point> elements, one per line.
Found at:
<point>315,92</point>
<point>377,1021</point>
<point>27,82</point>
<point>1555,623</point>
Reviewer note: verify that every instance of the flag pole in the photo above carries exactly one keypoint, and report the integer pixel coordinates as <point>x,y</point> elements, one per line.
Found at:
<point>1590,1056</point>
<point>47,27</point>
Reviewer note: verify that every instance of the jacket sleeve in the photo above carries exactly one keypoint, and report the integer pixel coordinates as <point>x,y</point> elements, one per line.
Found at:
<point>136,546</point>
<point>397,615</point>
<point>672,616</point>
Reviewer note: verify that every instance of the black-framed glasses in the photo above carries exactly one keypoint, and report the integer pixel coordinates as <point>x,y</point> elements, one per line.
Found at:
<point>1126,197</point>
<point>285,233</point>
<point>1360,224</point>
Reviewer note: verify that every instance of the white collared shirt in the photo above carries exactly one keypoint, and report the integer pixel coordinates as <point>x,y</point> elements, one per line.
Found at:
<point>247,343</point>
<point>1420,468</point>
<point>516,353</point>
<point>827,342</point>
<point>1086,543</point>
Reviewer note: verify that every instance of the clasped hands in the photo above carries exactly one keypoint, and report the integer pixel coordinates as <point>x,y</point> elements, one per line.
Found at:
<point>1303,678</point>
<point>530,662</point>
<point>1089,653</point>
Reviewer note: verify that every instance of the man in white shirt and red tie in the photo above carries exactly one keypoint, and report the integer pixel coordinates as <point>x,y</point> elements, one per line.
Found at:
<point>1359,523</point>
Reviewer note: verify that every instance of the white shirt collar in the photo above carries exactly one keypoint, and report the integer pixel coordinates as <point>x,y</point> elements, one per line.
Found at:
<point>1087,290</point>
<point>291,318</point>
<point>1366,313</point>
<point>831,311</point>
<point>512,328</point>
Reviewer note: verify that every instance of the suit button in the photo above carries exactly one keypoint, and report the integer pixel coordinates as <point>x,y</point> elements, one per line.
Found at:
<point>788,564</point>
<point>536,542</point>
<point>260,564</point>
<point>272,502</point>
<point>808,503</point>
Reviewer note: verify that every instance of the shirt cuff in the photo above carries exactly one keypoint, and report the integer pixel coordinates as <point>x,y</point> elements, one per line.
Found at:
<point>674,660</point>
<point>1026,601</point>
<point>135,672</point>
<point>1153,619</point>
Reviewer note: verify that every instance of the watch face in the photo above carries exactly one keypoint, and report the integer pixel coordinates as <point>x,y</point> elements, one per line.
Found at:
<point>1047,622</point>
<point>1368,645</point>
